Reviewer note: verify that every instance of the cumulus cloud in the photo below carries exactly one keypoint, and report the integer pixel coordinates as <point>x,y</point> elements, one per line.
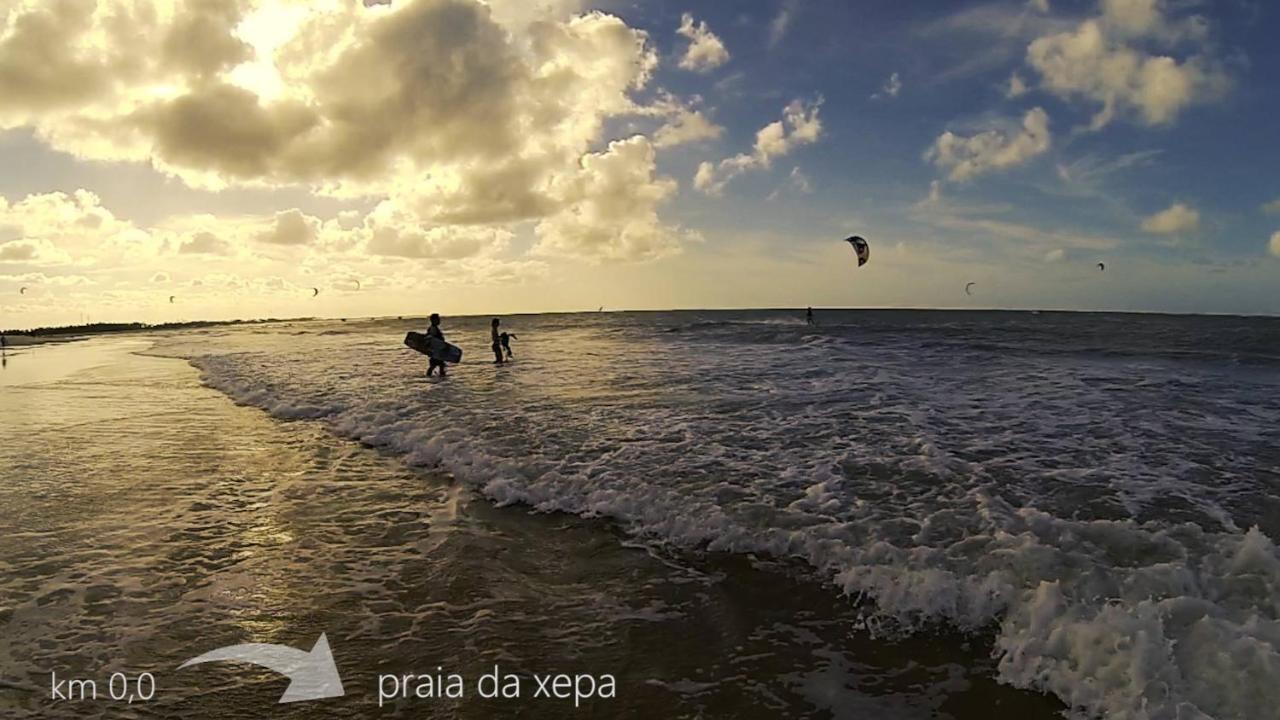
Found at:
<point>991,150</point>
<point>461,111</point>
<point>1272,208</point>
<point>1274,246</point>
<point>204,243</point>
<point>70,229</point>
<point>1055,255</point>
<point>18,251</point>
<point>1107,60</point>
<point>436,243</point>
<point>686,126</point>
<point>706,51</point>
<point>611,212</point>
<point>800,125</point>
<point>1176,219</point>
<point>291,227</point>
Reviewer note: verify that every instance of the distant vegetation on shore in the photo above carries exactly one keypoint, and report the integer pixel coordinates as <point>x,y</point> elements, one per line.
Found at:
<point>96,328</point>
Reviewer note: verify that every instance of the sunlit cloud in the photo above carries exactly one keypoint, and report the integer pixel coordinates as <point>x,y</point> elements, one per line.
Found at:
<point>966,157</point>
<point>800,125</point>
<point>1176,219</point>
<point>706,51</point>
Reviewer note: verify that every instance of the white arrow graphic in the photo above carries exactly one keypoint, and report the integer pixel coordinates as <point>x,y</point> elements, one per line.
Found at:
<point>312,675</point>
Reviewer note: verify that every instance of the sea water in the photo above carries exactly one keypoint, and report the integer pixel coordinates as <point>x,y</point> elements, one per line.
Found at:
<point>1089,499</point>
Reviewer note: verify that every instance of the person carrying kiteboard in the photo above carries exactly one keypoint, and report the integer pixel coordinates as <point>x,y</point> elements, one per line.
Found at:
<point>434,360</point>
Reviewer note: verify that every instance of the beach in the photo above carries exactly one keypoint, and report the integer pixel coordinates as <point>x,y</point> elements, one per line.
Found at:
<point>729,514</point>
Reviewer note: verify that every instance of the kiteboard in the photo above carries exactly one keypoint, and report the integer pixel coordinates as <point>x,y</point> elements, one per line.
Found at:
<point>433,347</point>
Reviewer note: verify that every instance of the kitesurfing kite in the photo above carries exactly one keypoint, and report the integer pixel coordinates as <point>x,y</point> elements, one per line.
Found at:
<point>22,291</point>
<point>1102,267</point>
<point>861,248</point>
<point>967,286</point>
<point>315,292</point>
<point>357,282</point>
<point>171,297</point>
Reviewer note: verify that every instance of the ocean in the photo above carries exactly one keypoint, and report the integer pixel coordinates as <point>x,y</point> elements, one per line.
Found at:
<point>891,514</point>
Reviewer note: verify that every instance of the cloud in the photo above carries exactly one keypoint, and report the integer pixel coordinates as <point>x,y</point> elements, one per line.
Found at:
<point>706,51</point>
<point>19,251</point>
<point>1176,219</point>
<point>991,150</point>
<point>204,243</point>
<point>892,86</point>
<point>1036,243</point>
<point>1274,245</point>
<point>436,243</point>
<point>781,22</point>
<point>797,182</point>
<point>800,181</point>
<point>800,125</point>
<point>1272,208</point>
<point>1016,88</point>
<point>1106,60</point>
<point>63,229</point>
<point>1088,175</point>
<point>686,126</point>
<point>460,111</point>
<point>291,227</point>
<point>160,277</point>
<point>1041,6</point>
<point>39,279</point>
<point>611,211</point>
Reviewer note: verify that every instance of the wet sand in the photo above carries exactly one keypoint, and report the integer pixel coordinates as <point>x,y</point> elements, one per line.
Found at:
<point>148,520</point>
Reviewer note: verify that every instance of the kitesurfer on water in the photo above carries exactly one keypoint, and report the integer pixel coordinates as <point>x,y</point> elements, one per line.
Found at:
<point>808,317</point>
<point>435,332</point>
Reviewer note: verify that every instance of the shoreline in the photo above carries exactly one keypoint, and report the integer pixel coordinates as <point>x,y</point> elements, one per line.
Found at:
<point>408,569</point>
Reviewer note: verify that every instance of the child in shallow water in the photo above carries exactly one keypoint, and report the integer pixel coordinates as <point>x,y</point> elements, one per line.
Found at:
<point>506,338</point>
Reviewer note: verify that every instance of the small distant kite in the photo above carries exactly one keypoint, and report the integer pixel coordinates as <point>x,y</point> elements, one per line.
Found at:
<point>315,292</point>
<point>22,291</point>
<point>171,297</point>
<point>967,288</point>
<point>1102,267</point>
<point>861,248</point>
<point>357,282</point>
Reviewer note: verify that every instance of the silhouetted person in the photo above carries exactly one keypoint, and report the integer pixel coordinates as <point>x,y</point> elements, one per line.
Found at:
<point>808,317</point>
<point>506,339</point>
<point>497,341</point>
<point>435,332</point>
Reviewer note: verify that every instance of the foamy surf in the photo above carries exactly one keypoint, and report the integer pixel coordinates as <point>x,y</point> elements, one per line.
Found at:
<point>1098,514</point>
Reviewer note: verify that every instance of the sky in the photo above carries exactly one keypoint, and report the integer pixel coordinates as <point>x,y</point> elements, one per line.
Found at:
<point>210,159</point>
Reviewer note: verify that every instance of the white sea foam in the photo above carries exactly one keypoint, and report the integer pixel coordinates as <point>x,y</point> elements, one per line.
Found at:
<point>1096,512</point>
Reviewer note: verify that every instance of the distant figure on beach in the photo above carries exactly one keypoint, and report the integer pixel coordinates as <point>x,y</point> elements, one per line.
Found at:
<point>808,317</point>
<point>435,332</point>
<point>497,341</point>
<point>506,338</point>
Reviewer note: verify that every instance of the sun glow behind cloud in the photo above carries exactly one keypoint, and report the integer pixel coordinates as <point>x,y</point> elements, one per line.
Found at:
<point>266,29</point>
